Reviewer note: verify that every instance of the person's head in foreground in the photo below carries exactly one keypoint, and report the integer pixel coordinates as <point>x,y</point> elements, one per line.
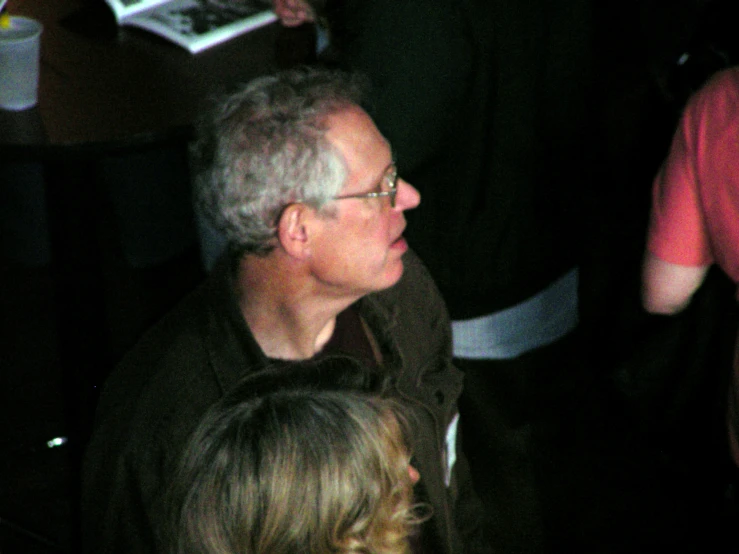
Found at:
<point>295,171</point>
<point>297,471</point>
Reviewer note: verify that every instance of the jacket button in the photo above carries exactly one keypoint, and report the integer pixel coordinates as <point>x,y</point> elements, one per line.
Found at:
<point>440,396</point>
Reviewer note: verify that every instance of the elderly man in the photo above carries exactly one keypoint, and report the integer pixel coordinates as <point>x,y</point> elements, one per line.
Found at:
<point>305,188</point>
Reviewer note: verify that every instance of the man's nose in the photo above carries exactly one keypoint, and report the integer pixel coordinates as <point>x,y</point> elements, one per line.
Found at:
<point>408,197</point>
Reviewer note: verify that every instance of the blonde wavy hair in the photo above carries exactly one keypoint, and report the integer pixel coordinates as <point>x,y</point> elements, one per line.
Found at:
<point>297,471</point>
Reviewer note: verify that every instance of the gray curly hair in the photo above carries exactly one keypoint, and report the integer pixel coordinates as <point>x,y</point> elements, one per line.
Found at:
<point>264,148</point>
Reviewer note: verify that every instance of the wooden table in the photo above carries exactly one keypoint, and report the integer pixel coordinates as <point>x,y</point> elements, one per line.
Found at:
<point>106,91</point>
<point>101,84</point>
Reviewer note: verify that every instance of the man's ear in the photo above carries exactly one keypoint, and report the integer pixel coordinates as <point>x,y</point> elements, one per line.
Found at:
<point>294,230</point>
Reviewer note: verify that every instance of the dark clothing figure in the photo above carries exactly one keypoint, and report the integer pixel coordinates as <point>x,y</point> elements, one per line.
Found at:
<point>486,106</point>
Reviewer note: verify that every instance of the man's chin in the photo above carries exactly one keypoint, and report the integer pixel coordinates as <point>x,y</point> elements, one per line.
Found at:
<point>394,272</point>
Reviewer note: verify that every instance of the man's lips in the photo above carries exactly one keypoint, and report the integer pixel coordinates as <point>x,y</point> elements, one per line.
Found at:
<point>399,240</point>
<point>399,243</point>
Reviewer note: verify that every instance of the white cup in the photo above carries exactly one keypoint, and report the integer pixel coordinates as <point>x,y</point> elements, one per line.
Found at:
<point>19,63</point>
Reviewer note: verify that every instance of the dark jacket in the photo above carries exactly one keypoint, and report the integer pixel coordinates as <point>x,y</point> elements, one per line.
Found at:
<point>161,389</point>
<point>485,104</point>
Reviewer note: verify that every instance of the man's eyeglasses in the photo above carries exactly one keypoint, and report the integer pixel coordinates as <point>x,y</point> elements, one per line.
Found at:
<point>390,180</point>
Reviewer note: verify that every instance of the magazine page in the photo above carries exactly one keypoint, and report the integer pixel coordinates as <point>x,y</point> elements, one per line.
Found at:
<point>125,8</point>
<point>200,24</point>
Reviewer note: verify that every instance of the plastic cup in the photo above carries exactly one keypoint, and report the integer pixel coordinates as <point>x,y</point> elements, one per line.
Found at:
<point>19,63</point>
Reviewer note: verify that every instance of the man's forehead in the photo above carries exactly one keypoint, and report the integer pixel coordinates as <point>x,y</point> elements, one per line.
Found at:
<point>353,127</point>
<point>349,114</point>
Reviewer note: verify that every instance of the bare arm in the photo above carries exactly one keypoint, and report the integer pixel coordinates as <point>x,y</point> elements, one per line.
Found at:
<point>293,12</point>
<point>666,287</point>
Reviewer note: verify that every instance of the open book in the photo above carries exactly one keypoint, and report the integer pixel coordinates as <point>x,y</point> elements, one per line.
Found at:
<point>193,24</point>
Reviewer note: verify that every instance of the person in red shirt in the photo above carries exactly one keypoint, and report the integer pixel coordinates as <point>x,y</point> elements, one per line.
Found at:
<point>694,221</point>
